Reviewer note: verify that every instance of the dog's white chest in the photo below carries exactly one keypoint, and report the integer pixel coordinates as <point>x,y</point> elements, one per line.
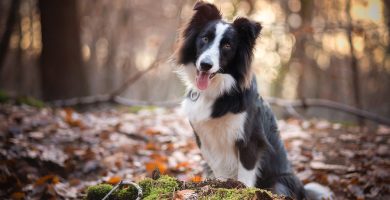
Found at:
<point>198,109</point>
<point>217,136</point>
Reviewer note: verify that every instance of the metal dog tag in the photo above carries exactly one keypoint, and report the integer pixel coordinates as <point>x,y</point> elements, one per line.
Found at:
<point>194,95</point>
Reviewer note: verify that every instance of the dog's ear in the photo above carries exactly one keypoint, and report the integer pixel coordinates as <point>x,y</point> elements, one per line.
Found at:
<point>204,13</point>
<point>247,29</point>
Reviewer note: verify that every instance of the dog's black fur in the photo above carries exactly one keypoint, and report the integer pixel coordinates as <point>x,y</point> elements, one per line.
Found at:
<point>261,145</point>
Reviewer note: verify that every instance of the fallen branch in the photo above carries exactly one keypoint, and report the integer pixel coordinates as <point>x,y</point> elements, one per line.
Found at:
<point>122,183</point>
<point>305,103</point>
<point>160,56</point>
<point>129,102</point>
<point>134,78</point>
<point>289,105</point>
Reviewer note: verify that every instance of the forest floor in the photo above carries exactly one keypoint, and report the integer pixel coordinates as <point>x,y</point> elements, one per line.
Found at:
<point>57,153</point>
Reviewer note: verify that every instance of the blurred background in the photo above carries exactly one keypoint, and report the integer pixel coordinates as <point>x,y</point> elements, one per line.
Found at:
<point>55,50</point>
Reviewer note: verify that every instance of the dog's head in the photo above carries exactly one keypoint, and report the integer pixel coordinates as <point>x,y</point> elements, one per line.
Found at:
<point>217,50</point>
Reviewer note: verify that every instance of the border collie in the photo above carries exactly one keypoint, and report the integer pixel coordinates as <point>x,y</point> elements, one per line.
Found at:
<point>234,127</point>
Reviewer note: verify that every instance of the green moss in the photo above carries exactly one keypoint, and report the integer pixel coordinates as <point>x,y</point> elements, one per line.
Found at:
<point>98,191</point>
<point>31,102</point>
<point>146,186</point>
<point>231,194</point>
<point>161,188</point>
<point>165,187</point>
<point>4,97</point>
<point>136,109</point>
<point>128,193</point>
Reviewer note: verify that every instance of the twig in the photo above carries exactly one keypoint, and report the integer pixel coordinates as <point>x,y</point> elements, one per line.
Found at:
<point>291,110</point>
<point>129,102</point>
<point>134,78</point>
<point>125,182</point>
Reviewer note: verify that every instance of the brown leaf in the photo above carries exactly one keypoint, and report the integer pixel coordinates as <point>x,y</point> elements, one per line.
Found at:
<point>182,165</point>
<point>159,157</point>
<point>151,146</point>
<point>150,166</point>
<point>18,195</point>
<point>152,131</point>
<point>196,179</point>
<point>46,179</point>
<point>185,194</point>
<point>114,180</point>
<point>69,113</point>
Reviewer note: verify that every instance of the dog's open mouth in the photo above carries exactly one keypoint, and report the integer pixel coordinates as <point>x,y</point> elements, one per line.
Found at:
<point>203,79</point>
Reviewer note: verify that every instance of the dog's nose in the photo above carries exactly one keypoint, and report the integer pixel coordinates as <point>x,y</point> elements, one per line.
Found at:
<point>205,65</point>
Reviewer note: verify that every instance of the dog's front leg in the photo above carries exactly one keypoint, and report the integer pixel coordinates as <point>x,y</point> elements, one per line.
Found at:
<point>246,176</point>
<point>247,164</point>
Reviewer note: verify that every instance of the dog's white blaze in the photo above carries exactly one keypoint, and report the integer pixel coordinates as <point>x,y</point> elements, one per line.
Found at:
<point>218,137</point>
<point>213,51</point>
<point>248,177</point>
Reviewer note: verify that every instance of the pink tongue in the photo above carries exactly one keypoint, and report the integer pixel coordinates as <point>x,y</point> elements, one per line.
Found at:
<point>202,80</point>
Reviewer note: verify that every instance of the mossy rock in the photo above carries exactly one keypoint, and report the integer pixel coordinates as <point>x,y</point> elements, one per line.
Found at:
<point>162,188</point>
<point>98,191</point>
<point>166,187</point>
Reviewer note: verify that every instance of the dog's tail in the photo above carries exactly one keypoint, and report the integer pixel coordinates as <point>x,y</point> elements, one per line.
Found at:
<point>316,191</point>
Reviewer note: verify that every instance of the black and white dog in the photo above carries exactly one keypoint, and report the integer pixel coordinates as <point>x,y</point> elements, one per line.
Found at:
<point>234,127</point>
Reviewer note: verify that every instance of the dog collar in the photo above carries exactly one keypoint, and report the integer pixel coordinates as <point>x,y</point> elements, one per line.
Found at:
<point>193,95</point>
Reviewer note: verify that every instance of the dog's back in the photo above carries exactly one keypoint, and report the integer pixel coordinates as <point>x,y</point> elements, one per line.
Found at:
<point>275,170</point>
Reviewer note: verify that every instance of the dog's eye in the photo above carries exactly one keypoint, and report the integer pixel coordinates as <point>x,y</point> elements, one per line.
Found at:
<point>226,46</point>
<point>205,39</point>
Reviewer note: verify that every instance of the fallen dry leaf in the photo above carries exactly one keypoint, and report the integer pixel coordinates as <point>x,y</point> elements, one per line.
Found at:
<point>42,145</point>
<point>150,166</point>
<point>114,180</point>
<point>18,195</point>
<point>185,194</point>
<point>47,179</point>
<point>196,179</point>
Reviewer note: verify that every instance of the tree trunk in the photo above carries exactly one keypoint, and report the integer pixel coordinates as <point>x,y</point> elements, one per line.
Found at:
<point>354,63</point>
<point>305,71</point>
<point>386,13</point>
<point>9,27</point>
<point>62,72</point>
<point>386,4</point>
